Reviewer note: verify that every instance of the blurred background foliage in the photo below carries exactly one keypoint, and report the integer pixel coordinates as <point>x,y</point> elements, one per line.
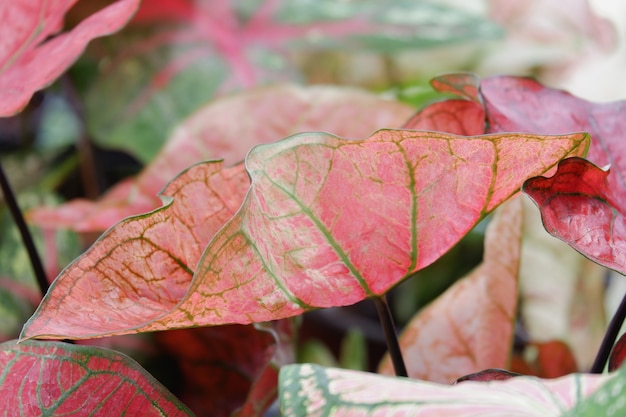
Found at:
<point>116,107</point>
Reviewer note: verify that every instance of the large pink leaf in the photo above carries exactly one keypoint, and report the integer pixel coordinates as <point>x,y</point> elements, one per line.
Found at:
<point>29,61</point>
<point>470,326</point>
<point>55,379</point>
<point>326,222</point>
<point>311,390</point>
<point>213,132</point>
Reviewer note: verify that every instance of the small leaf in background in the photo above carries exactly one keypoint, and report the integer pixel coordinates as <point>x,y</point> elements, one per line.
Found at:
<point>30,61</point>
<point>294,244</point>
<point>492,374</point>
<point>144,266</point>
<point>618,354</point>
<point>217,132</point>
<point>219,366</point>
<point>579,207</point>
<point>561,294</point>
<point>51,378</point>
<point>546,360</point>
<point>470,326</point>
<point>311,390</point>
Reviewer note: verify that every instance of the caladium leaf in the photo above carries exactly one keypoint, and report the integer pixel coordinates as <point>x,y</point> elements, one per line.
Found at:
<point>470,326</point>
<point>53,378</point>
<point>29,60</point>
<point>143,267</point>
<point>311,390</point>
<point>579,206</point>
<point>271,113</point>
<point>515,104</point>
<point>318,208</point>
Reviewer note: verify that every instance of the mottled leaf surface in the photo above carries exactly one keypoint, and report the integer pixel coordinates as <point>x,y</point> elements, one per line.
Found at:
<point>515,104</point>
<point>311,390</point>
<point>470,326</point>
<point>579,206</point>
<point>319,206</point>
<point>54,379</point>
<point>211,133</point>
<point>33,53</point>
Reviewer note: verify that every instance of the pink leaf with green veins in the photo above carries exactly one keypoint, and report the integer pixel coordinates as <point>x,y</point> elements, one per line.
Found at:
<point>59,379</point>
<point>311,390</point>
<point>470,326</point>
<point>29,61</point>
<point>326,222</point>
<point>140,269</point>
<point>210,133</point>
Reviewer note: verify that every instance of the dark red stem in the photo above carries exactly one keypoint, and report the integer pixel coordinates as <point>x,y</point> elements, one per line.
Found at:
<point>391,336</point>
<point>27,238</point>
<point>609,338</point>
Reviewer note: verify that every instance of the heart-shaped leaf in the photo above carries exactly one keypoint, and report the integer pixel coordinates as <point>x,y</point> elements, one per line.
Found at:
<point>317,211</point>
<point>29,61</point>
<point>311,390</point>
<point>54,379</point>
<point>271,113</point>
<point>470,326</point>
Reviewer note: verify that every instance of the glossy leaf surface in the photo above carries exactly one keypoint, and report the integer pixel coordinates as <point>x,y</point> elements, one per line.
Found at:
<point>52,378</point>
<point>311,390</point>
<point>29,60</point>
<point>271,113</point>
<point>470,326</point>
<point>318,208</point>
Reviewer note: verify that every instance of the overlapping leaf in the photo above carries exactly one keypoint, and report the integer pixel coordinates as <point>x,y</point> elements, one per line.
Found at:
<point>514,104</point>
<point>210,133</point>
<point>326,222</point>
<point>470,326</point>
<point>29,61</point>
<point>51,378</point>
<point>311,390</point>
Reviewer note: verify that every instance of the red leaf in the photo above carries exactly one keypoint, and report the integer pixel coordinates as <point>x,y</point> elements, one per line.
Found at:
<point>460,117</point>
<point>50,378</point>
<point>470,326</point>
<point>492,374</point>
<point>211,133</point>
<point>515,104</point>
<point>29,61</point>
<point>219,366</point>
<point>618,354</point>
<point>551,359</point>
<point>578,206</point>
<point>318,208</point>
